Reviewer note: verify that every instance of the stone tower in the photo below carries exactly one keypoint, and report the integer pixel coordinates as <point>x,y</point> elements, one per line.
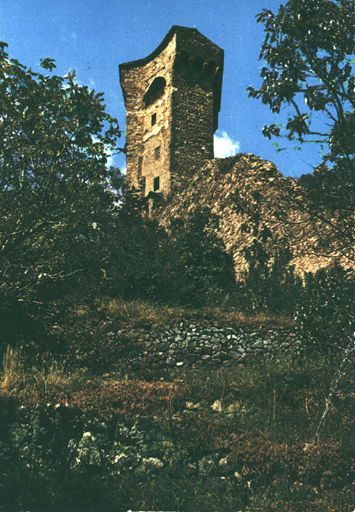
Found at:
<point>172,100</point>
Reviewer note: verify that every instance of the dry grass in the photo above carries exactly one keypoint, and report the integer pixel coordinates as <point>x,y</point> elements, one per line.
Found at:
<point>278,407</point>
<point>138,313</point>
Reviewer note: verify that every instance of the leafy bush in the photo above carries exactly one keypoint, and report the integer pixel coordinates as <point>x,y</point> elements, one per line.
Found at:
<point>199,271</point>
<point>187,265</point>
<point>56,207</point>
<point>326,311</point>
<point>270,283</point>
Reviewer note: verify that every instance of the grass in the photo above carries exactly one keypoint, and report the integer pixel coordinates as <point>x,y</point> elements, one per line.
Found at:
<point>136,312</point>
<point>261,416</point>
<point>266,396</point>
<point>284,399</point>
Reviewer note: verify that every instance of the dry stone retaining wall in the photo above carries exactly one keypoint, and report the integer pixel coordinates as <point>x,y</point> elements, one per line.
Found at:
<point>194,344</point>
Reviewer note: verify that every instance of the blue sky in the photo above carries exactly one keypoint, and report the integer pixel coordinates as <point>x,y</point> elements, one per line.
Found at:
<point>95,36</point>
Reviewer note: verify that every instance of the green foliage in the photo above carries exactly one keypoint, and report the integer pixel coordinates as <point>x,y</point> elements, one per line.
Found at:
<point>309,48</point>
<point>186,266</point>
<point>199,270</point>
<point>55,195</point>
<point>309,51</point>
<point>54,175</point>
<point>325,314</point>
<point>270,282</point>
<point>135,251</point>
<point>329,198</point>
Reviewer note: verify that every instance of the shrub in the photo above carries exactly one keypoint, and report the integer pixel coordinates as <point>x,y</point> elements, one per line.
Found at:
<point>325,314</point>
<point>270,283</point>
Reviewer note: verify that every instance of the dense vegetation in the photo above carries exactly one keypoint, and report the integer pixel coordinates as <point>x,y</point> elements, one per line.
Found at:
<point>78,253</point>
<point>308,56</point>
<point>270,460</point>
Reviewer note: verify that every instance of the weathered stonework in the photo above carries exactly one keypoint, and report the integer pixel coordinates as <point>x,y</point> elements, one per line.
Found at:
<point>172,99</point>
<point>249,195</point>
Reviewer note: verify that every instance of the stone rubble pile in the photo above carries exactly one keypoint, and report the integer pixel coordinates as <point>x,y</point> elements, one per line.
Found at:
<point>52,436</point>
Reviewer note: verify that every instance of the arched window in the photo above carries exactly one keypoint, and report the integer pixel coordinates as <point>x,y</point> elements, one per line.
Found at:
<point>155,91</point>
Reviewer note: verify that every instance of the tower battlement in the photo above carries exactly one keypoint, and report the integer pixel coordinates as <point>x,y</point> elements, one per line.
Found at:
<point>172,99</point>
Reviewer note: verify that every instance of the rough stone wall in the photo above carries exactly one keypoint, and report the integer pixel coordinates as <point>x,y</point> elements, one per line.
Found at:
<point>242,191</point>
<point>168,136</point>
<point>196,103</point>
<point>192,344</point>
<point>141,137</point>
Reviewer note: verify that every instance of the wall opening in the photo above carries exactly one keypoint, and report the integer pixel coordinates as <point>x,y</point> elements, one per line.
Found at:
<point>156,184</point>
<point>155,91</point>
<point>140,166</point>
<point>157,153</point>
<point>154,119</point>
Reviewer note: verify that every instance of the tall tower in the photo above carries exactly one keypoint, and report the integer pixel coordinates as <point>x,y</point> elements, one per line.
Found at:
<point>172,100</point>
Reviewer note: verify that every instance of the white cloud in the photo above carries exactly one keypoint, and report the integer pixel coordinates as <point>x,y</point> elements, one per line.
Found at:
<point>224,145</point>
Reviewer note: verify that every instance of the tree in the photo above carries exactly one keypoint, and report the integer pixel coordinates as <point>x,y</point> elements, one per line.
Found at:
<point>309,51</point>
<point>56,191</point>
<point>325,313</point>
<point>135,256</point>
<point>199,269</point>
<point>185,264</point>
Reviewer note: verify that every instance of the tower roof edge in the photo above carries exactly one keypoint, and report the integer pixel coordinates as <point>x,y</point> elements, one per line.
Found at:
<point>175,29</point>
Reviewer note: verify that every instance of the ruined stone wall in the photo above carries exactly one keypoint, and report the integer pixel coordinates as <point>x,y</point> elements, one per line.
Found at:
<point>248,194</point>
<point>173,99</point>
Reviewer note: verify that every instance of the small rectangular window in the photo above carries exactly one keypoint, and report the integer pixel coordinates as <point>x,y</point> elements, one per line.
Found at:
<point>154,119</point>
<point>156,184</point>
<point>140,166</point>
<point>157,153</point>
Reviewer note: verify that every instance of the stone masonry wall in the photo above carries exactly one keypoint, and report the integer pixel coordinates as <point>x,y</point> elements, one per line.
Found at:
<point>141,137</point>
<point>169,136</point>
<point>195,106</point>
<point>194,344</point>
<point>233,189</point>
